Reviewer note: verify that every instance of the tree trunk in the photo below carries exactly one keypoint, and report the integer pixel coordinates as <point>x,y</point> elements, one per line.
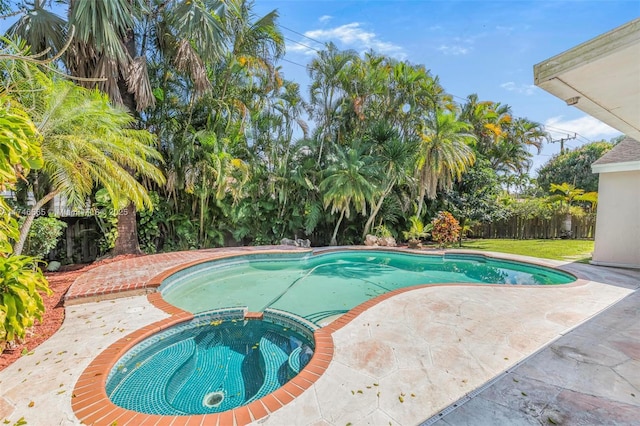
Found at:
<point>375,210</point>
<point>24,229</point>
<point>334,240</point>
<point>566,226</point>
<point>462,223</point>
<point>127,239</point>
<point>420,204</point>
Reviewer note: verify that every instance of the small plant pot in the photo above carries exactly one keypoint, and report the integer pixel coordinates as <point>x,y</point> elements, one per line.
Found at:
<point>414,244</point>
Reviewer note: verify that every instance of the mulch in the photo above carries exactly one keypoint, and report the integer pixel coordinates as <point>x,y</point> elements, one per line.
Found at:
<point>52,319</point>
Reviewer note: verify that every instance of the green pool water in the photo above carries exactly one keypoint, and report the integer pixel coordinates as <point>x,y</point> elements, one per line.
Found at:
<point>319,286</point>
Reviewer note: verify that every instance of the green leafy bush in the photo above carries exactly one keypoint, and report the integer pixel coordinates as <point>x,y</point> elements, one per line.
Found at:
<point>44,234</point>
<point>149,225</point>
<point>446,229</point>
<point>21,282</point>
<point>417,230</point>
<point>107,219</point>
<point>382,231</point>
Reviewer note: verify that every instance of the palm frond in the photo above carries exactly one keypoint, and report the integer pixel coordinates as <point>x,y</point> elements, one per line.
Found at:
<point>138,83</point>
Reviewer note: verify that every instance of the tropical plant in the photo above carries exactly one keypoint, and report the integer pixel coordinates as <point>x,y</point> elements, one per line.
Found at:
<point>107,51</point>
<point>446,229</point>
<point>347,182</point>
<point>416,232</point>
<point>444,154</point>
<point>381,231</point>
<point>21,283</point>
<point>85,142</point>
<point>19,153</point>
<point>393,157</point>
<point>107,219</point>
<point>44,235</point>
<point>566,194</point>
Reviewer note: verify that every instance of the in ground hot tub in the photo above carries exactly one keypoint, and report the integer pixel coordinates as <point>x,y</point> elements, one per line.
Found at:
<point>212,363</point>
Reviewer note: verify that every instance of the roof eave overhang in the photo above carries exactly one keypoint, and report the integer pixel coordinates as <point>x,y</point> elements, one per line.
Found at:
<point>627,166</point>
<point>599,77</point>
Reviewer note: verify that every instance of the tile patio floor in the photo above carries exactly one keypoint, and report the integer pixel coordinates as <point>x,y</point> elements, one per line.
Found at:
<point>503,354</point>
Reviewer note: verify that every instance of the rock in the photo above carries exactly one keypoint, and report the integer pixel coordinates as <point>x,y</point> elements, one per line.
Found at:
<point>53,266</point>
<point>387,242</point>
<point>303,243</point>
<point>371,240</point>
<point>298,242</point>
<point>287,242</point>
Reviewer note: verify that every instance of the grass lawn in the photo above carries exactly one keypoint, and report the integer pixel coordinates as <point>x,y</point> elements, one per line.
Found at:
<point>572,250</point>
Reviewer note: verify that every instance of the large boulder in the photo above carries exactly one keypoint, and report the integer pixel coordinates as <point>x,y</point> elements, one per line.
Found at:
<point>303,243</point>
<point>371,240</point>
<point>288,242</point>
<point>387,242</point>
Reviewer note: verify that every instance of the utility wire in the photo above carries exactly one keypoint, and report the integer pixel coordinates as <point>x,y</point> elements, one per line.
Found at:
<point>557,129</point>
<point>300,34</point>
<point>301,44</point>
<point>294,63</point>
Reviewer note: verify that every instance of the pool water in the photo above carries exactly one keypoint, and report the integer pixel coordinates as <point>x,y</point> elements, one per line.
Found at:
<point>319,287</point>
<point>207,366</point>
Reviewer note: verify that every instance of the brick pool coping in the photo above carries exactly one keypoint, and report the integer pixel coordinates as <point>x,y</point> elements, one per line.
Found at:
<point>91,404</point>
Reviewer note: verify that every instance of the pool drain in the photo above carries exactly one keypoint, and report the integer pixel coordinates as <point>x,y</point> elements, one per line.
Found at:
<point>213,399</point>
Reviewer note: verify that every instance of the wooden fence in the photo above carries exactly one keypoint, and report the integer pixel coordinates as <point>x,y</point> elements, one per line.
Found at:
<point>537,228</point>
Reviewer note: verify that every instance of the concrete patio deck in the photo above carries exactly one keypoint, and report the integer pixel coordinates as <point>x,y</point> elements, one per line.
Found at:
<point>404,361</point>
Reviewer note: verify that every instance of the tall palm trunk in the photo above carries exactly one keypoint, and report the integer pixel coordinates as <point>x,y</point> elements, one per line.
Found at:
<point>26,226</point>
<point>127,239</point>
<point>376,209</point>
<point>334,241</point>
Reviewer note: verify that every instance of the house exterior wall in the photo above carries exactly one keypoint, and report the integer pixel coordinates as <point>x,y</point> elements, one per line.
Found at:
<point>617,239</point>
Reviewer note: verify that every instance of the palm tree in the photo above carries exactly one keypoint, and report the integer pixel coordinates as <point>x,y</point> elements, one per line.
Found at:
<point>348,183</point>
<point>444,153</point>
<point>566,194</point>
<point>489,120</point>
<point>104,47</point>
<point>86,142</point>
<point>326,72</point>
<point>393,156</point>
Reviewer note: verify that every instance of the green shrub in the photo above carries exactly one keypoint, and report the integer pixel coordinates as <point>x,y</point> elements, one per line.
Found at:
<point>382,231</point>
<point>21,282</point>
<point>44,234</point>
<point>417,231</point>
<point>107,219</point>
<point>149,225</point>
<point>446,229</point>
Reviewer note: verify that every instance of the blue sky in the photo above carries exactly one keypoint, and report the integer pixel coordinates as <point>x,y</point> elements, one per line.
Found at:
<point>482,47</point>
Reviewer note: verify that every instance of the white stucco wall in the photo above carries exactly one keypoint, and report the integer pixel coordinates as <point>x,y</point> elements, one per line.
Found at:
<point>617,239</point>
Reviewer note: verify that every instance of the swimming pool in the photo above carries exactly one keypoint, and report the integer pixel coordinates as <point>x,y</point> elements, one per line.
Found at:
<point>224,358</point>
<point>319,287</point>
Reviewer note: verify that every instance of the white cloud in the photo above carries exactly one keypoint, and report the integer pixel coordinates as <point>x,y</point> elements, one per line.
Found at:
<point>303,48</point>
<point>325,18</point>
<point>352,36</point>
<point>584,127</point>
<point>525,89</point>
<point>454,50</point>
<point>459,46</point>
